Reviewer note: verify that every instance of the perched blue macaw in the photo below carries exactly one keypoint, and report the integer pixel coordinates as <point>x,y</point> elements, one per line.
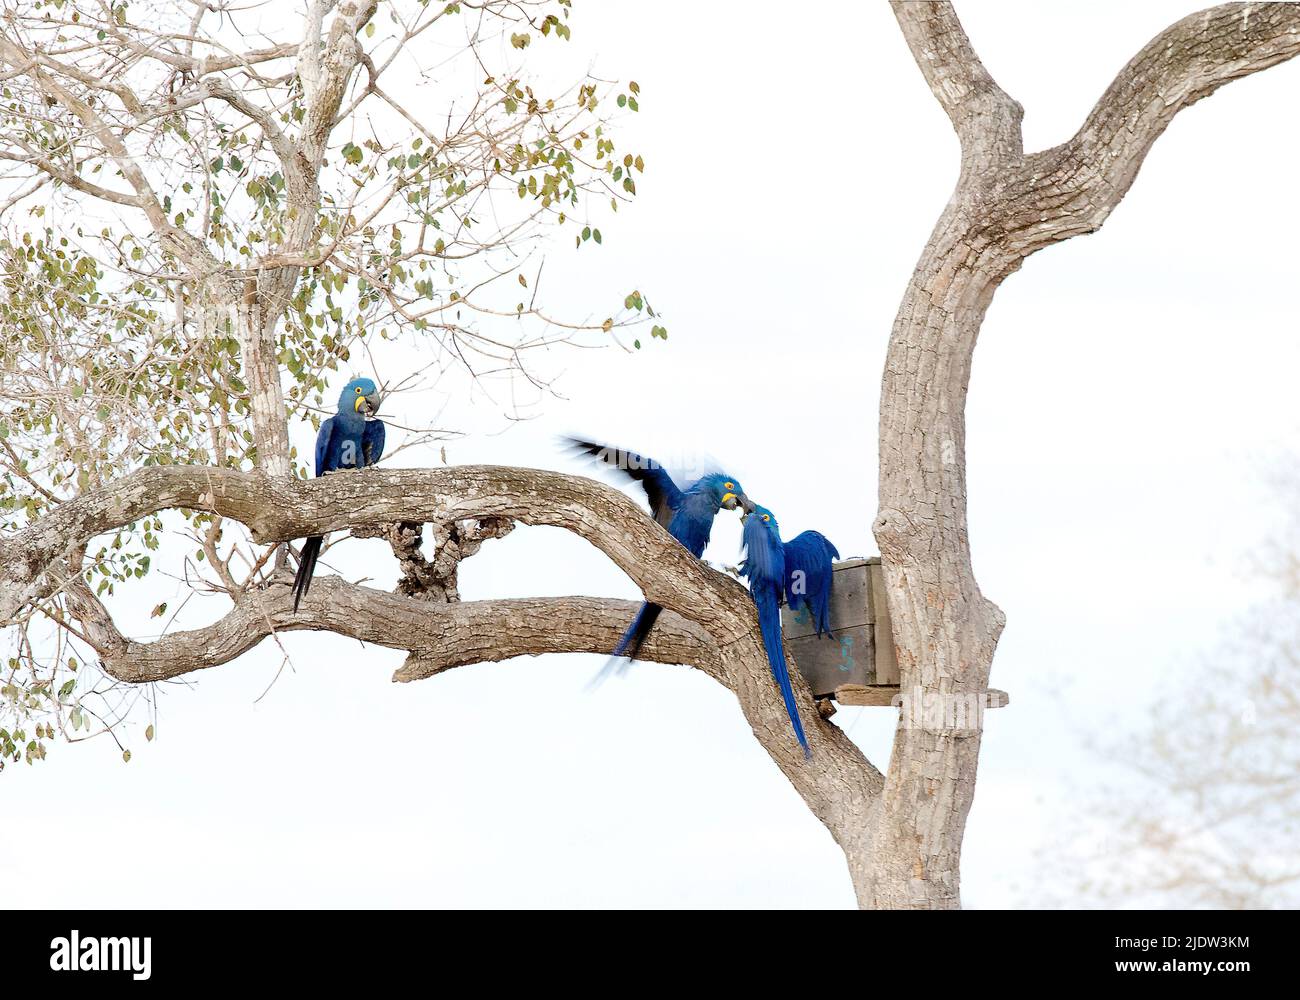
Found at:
<point>809,566</point>
<point>799,571</point>
<point>351,439</point>
<point>687,514</point>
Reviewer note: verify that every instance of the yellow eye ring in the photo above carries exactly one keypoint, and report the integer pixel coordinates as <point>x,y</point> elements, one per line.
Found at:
<point>766,517</point>
<point>358,390</point>
<point>729,486</point>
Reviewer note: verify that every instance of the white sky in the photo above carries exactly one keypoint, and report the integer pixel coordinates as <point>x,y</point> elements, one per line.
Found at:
<point>1128,389</point>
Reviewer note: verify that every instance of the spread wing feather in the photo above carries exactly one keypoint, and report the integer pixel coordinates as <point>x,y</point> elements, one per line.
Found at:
<point>660,490</point>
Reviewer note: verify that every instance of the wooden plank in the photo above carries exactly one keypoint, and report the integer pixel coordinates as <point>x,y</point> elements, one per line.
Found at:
<point>843,658</point>
<point>879,695</point>
<point>886,663</point>
<point>851,594</point>
<point>866,694</point>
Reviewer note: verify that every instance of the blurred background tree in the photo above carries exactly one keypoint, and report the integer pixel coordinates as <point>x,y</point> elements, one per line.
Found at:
<point>1202,807</point>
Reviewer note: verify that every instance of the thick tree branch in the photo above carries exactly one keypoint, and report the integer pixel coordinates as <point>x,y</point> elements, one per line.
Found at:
<point>438,636</point>
<point>714,626</point>
<point>1179,66</point>
<point>1079,183</point>
<point>280,510</point>
<point>985,118</point>
<point>1006,207</point>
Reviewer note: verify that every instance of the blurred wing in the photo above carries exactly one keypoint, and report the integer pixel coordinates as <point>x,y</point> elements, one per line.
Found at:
<point>372,441</point>
<point>323,460</point>
<point>660,490</point>
<point>764,560</point>
<point>809,560</point>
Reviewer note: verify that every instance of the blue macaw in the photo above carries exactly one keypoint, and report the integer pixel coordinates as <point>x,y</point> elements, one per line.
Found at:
<point>351,439</point>
<point>799,571</point>
<point>809,562</point>
<point>687,514</point>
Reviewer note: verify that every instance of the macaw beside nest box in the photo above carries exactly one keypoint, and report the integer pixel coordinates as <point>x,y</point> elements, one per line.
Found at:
<point>856,664</point>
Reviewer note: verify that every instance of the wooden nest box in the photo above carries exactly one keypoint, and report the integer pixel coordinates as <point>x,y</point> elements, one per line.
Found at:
<point>856,665</point>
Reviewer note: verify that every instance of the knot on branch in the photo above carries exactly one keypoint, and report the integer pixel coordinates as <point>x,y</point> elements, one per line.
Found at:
<point>894,531</point>
<point>435,579</point>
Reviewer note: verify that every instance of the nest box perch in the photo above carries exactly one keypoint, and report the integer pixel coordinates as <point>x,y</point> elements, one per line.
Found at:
<point>856,665</point>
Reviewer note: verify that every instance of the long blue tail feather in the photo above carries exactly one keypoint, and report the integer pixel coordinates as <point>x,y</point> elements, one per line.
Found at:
<point>637,633</point>
<point>306,568</point>
<point>768,603</point>
<point>630,644</point>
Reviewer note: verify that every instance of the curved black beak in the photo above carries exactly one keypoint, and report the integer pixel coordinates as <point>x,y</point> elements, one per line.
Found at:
<point>372,403</point>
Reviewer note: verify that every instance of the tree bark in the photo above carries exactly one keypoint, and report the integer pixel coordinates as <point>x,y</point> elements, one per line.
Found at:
<point>711,623</point>
<point>901,832</point>
<point>1006,206</point>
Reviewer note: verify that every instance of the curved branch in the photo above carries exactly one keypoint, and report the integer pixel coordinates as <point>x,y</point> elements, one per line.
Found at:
<point>438,636</point>
<point>1071,189</point>
<point>715,627</point>
<point>1183,64</point>
<point>277,510</point>
<point>841,787</point>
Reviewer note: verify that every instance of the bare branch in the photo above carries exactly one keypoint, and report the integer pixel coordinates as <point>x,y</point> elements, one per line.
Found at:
<point>280,510</point>
<point>1185,63</point>
<point>439,636</point>
<point>186,246</point>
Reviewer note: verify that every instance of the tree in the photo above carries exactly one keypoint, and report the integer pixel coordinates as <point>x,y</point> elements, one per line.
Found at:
<point>200,232</point>
<point>901,831</point>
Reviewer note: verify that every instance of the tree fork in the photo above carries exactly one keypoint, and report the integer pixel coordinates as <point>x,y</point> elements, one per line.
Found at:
<point>1006,206</point>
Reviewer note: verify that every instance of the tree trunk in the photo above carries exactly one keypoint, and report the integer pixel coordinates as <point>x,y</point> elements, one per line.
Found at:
<point>1007,205</point>
<point>945,630</point>
<point>901,832</point>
